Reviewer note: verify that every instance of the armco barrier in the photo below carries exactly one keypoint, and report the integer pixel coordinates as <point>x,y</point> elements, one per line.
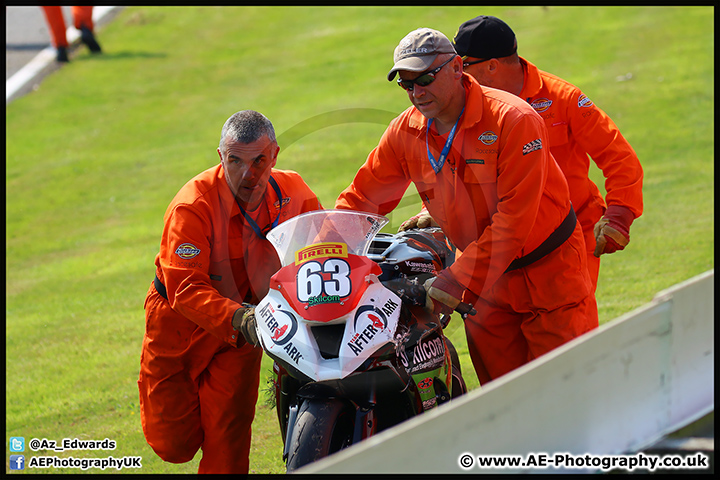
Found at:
<point>612,391</point>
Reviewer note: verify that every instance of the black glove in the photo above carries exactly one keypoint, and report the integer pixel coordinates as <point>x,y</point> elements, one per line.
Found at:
<point>244,322</point>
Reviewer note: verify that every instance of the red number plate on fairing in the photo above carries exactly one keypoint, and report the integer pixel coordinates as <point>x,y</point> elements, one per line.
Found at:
<point>325,282</point>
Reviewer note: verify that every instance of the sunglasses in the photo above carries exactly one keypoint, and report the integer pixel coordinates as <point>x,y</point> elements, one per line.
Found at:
<point>467,64</point>
<point>423,80</point>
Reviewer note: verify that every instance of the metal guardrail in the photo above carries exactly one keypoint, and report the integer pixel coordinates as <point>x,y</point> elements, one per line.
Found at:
<point>621,388</point>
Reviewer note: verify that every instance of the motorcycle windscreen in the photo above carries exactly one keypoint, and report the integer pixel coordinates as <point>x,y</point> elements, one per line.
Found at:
<point>325,282</point>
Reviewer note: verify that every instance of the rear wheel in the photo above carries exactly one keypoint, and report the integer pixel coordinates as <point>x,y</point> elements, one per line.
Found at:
<point>322,427</point>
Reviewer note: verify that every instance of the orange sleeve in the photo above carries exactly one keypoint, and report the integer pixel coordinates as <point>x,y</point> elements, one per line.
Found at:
<point>522,178</point>
<point>381,181</point>
<point>185,261</point>
<point>597,134</point>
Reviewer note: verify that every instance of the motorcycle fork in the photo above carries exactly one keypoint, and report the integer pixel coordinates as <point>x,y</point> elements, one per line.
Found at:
<point>292,415</point>
<point>365,424</point>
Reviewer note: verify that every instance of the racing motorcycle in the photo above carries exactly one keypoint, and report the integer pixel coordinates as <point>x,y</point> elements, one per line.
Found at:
<point>354,350</point>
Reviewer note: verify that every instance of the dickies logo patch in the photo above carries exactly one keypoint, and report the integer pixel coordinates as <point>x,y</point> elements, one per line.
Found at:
<point>285,201</point>
<point>187,251</point>
<point>488,138</point>
<point>532,146</point>
<point>584,101</point>
<point>541,104</point>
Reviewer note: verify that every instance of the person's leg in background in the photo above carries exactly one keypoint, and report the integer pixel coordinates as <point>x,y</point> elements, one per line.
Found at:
<point>56,22</point>
<point>82,18</point>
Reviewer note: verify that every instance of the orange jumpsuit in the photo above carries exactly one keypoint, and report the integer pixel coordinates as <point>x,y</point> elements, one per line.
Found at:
<point>198,378</point>
<point>578,128</point>
<point>499,196</point>
<point>56,21</point>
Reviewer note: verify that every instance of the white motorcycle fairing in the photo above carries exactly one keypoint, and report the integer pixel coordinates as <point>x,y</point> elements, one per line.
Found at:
<point>286,335</point>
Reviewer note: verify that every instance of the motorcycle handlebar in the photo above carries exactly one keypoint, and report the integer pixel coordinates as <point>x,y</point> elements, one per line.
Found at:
<point>410,292</point>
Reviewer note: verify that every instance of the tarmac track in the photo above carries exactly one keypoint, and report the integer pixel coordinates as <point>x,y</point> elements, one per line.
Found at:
<point>29,55</point>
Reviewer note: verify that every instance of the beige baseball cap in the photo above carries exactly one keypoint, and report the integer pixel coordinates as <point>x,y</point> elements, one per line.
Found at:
<point>418,50</point>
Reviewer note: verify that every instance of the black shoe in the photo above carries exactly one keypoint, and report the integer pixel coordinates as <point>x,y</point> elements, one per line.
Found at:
<point>88,39</point>
<point>62,55</point>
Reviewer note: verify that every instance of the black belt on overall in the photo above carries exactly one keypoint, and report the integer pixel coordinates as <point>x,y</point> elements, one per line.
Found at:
<point>555,239</point>
<point>160,288</point>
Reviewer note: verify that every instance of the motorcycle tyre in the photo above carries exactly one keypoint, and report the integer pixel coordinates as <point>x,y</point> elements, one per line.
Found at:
<point>322,427</point>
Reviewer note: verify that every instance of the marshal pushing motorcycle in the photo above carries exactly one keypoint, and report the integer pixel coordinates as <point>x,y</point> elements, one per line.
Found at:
<point>354,349</point>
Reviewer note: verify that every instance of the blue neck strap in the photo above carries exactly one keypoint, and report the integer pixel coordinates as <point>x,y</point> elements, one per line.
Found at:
<point>438,164</point>
<point>260,233</point>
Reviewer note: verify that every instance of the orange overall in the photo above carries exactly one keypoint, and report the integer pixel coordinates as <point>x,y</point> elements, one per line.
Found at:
<point>198,378</point>
<point>499,196</point>
<point>81,16</point>
<point>578,128</point>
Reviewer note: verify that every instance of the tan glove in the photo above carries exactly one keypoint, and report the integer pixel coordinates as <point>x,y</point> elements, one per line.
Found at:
<point>421,220</point>
<point>612,231</point>
<point>443,293</point>
<point>244,322</point>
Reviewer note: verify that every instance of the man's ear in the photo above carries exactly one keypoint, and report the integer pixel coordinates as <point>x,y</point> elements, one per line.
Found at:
<point>457,65</point>
<point>220,153</point>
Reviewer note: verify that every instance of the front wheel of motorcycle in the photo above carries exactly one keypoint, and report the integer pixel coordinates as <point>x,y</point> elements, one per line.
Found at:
<point>323,427</point>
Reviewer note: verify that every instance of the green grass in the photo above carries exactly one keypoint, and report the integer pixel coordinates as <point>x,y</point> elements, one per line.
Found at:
<point>95,155</point>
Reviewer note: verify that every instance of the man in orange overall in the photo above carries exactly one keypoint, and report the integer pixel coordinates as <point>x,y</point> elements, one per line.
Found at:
<point>82,20</point>
<point>577,130</point>
<point>199,376</point>
<point>479,159</point>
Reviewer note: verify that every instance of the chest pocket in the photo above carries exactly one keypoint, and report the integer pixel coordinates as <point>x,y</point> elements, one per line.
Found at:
<point>557,133</point>
<point>480,170</point>
<point>227,258</point>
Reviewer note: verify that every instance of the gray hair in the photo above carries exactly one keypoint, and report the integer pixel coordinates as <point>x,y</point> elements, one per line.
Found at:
<point>246,126</point>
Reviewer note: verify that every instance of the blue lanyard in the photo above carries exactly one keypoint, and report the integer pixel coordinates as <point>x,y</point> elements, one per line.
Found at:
<point>438,164</point>
<point>275,222</point>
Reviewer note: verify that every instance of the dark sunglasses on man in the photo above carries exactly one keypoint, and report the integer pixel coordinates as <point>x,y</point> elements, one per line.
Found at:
<point>423,80</point>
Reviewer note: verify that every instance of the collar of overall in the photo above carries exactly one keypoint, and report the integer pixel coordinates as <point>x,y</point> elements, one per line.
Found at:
<point>438,164</point>
<point>260,233</point>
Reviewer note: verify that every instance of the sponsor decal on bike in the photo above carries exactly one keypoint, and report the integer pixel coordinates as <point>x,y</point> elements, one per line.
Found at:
<point>322,299</point>
<point>541,104</point>
<point>321,250</point>
<point>420,267</point>
<point>584,101</point>
<point>488,138</point>
<point>283,326</point>
<point>187,251</point>
<point>425,383</point>
<point>375,321</point>
<point>427,354</point>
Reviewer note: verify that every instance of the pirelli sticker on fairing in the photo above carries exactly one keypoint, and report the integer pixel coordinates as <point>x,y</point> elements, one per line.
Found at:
<point>320,250</point>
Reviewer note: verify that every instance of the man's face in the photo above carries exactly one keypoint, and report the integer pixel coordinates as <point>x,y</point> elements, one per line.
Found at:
<point>432,100</point>
<point>247,168</point>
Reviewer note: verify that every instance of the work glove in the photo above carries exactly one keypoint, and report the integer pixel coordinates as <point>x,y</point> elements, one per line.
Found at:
<point>612,231</point>
<point>443,293</point>
<point>244,322</point>
<point>421,220</point>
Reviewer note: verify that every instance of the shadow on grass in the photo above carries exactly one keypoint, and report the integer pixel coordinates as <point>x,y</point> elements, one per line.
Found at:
<point>108,56</point>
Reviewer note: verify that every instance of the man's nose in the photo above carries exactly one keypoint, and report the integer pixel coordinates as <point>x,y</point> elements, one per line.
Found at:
<point>248,174</point>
